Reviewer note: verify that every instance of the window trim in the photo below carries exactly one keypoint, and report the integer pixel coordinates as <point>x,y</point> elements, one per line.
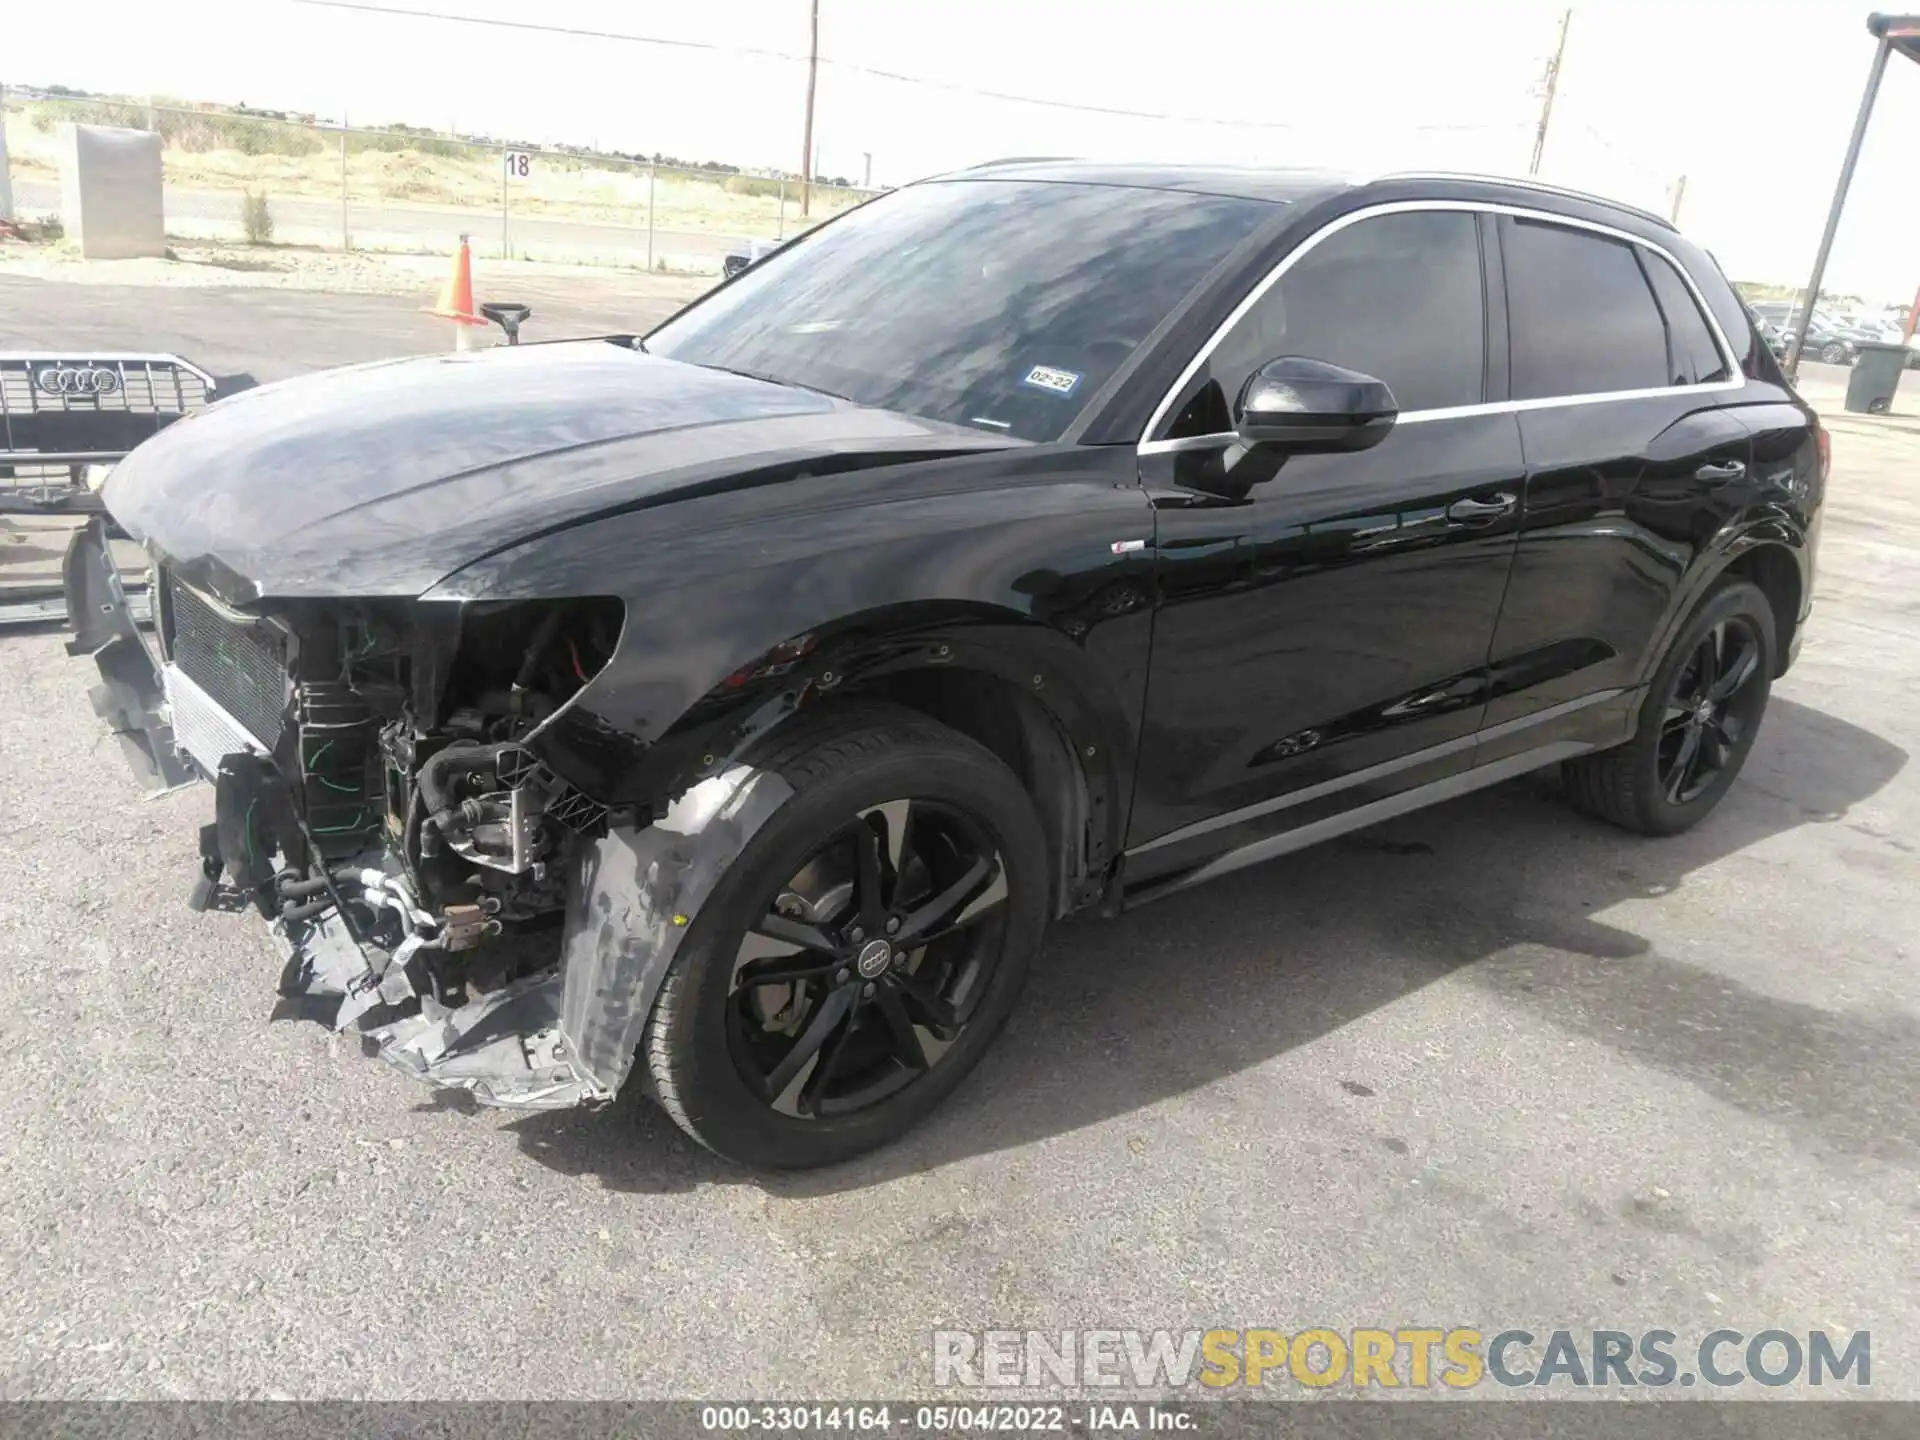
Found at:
<point>1163,412</point>
<point>1673,338</point>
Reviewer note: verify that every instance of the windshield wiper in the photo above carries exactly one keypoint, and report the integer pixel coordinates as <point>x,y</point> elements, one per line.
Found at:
<point>776,380</point>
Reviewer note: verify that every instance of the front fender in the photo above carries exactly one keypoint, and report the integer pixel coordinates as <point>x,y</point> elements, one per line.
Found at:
<point>1018,559</point>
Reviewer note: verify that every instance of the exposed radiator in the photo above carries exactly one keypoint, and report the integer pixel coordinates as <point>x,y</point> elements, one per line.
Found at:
<point>240,667</point>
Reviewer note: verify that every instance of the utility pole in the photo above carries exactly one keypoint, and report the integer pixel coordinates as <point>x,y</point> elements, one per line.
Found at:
<point>1791,364</point>
<point>806,146</point>
<point>1679,194</point>
<point>1553,84</point>
<point>6,175</point>
<point>866,175</point>
<point>346,230</point>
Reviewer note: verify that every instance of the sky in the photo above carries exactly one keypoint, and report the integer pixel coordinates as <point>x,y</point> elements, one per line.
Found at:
<point>1752,102</point>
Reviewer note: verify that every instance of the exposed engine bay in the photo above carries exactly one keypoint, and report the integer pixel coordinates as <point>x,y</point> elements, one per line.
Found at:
<point>384,795</point>
<point>397,790</point>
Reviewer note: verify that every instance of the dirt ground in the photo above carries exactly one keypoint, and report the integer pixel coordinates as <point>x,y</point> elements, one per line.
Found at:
<point>295,267</point>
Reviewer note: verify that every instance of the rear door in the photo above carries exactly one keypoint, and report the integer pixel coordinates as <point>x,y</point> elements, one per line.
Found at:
<point>1619,379</point>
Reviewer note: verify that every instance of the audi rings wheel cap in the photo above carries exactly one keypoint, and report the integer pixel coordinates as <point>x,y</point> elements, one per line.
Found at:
<point>77,380</point>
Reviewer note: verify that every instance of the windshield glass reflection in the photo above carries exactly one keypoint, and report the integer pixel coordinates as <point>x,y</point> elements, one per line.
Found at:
<point>1003,305</point>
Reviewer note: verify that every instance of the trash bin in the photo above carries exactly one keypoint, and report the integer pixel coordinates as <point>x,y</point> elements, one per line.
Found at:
<point>1876,375</point>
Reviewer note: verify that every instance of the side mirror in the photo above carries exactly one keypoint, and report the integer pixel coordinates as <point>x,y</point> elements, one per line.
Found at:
<point>1308,407</point>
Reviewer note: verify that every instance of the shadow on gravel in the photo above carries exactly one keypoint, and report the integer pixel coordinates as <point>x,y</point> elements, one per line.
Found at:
<point>1499,887</point>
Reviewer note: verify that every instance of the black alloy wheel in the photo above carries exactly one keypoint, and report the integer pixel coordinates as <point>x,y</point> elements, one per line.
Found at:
<point>846,995</point>
<point>1710,709</point>
<point>856,959</point>
<point>1697,724</point>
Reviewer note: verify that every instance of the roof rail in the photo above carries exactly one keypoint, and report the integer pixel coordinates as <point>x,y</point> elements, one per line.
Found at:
<point>1020,160</point>
<point>1662,221</point>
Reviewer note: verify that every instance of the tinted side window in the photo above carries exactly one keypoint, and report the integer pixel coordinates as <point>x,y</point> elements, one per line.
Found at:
<point>1399,297</point>
<point>1696,359</point>
<point>1583,319</point>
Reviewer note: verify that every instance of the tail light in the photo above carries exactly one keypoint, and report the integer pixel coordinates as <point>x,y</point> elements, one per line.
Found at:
<point>1824,444</point>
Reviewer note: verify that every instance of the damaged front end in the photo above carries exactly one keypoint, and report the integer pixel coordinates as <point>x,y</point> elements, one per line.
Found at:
<point>386,796</point>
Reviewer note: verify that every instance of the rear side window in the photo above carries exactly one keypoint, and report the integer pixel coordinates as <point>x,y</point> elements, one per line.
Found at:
<point>1696,359</point>
<point>1584,320</point>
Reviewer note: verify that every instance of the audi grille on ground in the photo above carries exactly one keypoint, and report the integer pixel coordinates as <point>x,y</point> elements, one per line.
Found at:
<point>76,380</point>
<point>61,414</point>
<point>726,712</point>
<point>65,420</point>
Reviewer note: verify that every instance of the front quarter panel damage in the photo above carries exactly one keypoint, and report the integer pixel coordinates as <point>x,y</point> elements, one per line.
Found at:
<point>634,898</point>
<point>567,1036</point>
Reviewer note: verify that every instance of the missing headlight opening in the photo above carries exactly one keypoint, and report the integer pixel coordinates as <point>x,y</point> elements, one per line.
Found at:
<point>383,795</point>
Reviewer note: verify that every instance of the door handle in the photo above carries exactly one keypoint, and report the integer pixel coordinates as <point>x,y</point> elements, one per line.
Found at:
<point>1721,470</point>
<point>1501,504</point>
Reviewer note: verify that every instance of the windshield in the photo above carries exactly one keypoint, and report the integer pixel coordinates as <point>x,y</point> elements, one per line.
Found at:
<point>998,304</point>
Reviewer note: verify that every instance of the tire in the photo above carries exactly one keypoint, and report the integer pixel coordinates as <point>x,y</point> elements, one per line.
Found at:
<point>1834,353</point>
<point>704,1042</point>
<point>1635,785</point>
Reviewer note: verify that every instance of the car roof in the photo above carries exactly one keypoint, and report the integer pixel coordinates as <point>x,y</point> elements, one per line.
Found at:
<point>1244,183</point>
<point>1304,185</point>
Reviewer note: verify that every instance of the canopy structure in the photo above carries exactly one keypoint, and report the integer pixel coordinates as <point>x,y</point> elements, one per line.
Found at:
<point>1897,35</point>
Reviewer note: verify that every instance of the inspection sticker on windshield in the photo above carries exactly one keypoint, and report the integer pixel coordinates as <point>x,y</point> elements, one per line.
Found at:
<point>1058,382</point>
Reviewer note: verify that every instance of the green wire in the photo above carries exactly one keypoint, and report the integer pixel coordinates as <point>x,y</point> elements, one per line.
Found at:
<point>246,832</point>
<point>313,764</point>
<point>359,818</point>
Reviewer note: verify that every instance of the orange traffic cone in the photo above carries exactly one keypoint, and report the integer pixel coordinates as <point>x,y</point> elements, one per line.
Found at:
<point>456,297</point>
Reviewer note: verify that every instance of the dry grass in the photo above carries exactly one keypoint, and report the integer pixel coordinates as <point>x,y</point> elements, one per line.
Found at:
<point>285,161</point>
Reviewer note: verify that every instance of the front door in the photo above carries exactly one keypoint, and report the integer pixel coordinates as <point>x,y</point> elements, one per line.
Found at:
<point>1324,625</point>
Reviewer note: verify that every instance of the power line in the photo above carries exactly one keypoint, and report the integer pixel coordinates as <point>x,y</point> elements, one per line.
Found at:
<point>1646,171</point>
<point>581,32</point>
<point>578,32</point>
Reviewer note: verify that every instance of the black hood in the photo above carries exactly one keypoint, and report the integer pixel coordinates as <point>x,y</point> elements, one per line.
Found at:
<point>382,479</point>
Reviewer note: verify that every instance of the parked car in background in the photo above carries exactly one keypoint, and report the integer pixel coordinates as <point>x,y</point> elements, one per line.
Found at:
<point>1828,343</point>
<point>726,712</point>
<point>1834,339</point>
<point>1775,338</point>
<point>750,253</point>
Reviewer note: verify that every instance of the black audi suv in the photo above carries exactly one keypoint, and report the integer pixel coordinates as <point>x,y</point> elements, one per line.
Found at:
<point>727,711</point>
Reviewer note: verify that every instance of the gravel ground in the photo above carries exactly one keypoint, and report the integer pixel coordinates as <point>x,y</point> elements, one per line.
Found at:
<point>1489,1064</point>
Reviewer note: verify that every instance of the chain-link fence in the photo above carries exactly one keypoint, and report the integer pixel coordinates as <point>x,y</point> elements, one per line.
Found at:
<point>340,187</point>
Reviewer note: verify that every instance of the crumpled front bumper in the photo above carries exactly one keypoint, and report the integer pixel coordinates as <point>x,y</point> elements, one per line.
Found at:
<point>131,697</point>
<point>562,1036</point>
<point>571,1036</point>
<point>567,1035</point>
